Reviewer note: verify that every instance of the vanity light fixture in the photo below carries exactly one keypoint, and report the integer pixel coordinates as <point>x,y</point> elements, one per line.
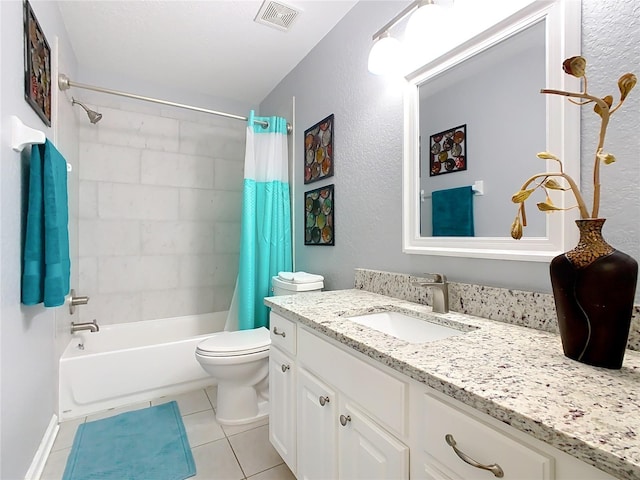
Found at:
<point>387,54</point>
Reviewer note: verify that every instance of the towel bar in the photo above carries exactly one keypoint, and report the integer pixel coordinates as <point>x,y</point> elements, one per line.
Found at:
<point>477,187</point>
<point>21,135</point>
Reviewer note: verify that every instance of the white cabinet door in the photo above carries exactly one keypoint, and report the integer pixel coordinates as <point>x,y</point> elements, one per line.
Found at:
<point>282,404</point>
<point>368,452</point>
<point>317,429</point>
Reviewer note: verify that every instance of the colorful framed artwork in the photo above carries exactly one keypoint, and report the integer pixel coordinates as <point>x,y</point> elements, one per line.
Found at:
<point>37,66</point>
<point>448,151</point>
<point>318,151</point>
<point>319,225</point>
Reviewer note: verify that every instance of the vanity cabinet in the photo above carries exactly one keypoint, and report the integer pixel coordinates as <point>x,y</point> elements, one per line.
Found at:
<point>336,414</point>
<point>333,415</point>
<point>344,406</point>
<point>282,389</point>
<point>338,440</point>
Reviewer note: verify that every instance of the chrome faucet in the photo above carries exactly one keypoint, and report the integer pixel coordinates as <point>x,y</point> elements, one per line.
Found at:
<point>440,289</point>
<point>92,326</point>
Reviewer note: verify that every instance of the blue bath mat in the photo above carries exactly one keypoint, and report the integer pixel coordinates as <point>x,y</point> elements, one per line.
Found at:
<point>147,444</point>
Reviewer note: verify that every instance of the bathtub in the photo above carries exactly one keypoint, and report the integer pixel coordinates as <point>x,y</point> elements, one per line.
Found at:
<point>133,362</point>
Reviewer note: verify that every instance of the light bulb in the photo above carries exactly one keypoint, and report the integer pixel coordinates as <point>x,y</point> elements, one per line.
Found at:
<point>386,56</point>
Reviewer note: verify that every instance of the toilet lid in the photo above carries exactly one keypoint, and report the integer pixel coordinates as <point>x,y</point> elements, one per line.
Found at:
<point>241,342</point>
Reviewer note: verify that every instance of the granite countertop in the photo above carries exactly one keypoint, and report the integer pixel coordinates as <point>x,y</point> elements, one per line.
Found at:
<point>517,375</point>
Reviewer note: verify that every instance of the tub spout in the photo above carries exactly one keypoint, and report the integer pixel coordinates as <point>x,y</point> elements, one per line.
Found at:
<point>92,326</point>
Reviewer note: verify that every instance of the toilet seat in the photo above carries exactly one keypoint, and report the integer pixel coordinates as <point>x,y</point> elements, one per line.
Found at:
<point>238,343</point>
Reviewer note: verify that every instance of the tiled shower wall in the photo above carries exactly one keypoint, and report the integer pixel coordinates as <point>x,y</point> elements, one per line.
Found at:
<point>160,203</point>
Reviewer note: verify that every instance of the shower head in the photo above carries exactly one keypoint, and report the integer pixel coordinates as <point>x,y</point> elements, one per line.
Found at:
<point>94,117</point>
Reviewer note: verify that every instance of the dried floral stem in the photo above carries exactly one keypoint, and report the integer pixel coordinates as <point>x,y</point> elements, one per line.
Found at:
<point>584,213</point>
<point>575,66</point>
<point>605,114</point>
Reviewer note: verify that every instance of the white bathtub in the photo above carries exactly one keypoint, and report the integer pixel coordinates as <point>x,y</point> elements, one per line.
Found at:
<point>133,362</point>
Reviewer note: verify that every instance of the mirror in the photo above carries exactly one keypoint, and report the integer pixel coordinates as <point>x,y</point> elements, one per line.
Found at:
<point>475,116</point>
<point>502,81</point>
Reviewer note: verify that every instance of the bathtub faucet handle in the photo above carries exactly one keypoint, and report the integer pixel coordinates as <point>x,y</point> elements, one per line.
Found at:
<point>76,300</point>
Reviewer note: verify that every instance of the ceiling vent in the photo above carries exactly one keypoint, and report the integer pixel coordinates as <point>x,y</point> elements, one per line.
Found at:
<point>276,15</point>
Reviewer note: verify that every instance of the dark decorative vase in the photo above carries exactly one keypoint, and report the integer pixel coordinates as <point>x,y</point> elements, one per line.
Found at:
<point>594,287</point>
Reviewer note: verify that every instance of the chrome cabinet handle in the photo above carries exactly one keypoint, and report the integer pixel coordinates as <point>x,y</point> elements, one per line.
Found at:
<point>344,420</point>
<point>494,468</point>
<point>276,332</point>
<point>323,400</point>
<point>285,368</point>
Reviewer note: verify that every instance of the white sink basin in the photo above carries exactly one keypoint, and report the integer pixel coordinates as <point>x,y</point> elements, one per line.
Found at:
<point>405,327</point>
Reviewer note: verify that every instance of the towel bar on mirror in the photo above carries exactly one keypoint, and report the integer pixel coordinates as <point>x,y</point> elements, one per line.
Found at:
<point>477,187</point>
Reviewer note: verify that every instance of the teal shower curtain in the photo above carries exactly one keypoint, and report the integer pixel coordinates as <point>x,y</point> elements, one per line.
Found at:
<point>265,238</point>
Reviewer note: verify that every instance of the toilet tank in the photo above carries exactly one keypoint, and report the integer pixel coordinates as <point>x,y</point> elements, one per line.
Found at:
<point>280,286</point>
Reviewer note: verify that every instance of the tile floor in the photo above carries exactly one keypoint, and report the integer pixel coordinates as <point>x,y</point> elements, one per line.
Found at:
<point>221,453</point>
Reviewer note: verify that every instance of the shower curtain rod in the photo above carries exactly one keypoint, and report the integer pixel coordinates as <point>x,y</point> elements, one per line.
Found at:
<point>64,83</point>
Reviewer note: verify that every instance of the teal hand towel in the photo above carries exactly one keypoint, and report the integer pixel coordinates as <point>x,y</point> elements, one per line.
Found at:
<point>46,268</point>
<point>452,212</point>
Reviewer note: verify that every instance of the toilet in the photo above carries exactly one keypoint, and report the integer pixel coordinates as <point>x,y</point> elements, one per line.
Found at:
<point>239,360</point>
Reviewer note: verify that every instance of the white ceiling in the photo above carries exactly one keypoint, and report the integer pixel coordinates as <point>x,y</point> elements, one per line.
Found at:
<point>210,47</point>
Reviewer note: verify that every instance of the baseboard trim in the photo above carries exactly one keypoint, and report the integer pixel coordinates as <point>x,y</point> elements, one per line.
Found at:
<point>42,454</point>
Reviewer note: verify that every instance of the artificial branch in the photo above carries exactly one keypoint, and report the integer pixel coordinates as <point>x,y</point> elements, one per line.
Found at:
<point>604,115</point>
<point>576,67</point>
<point>572,185</point>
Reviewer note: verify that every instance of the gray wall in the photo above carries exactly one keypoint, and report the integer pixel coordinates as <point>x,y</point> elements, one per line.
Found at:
<point>28,334</point>
<point>611,45</point>
<point>368,110</point>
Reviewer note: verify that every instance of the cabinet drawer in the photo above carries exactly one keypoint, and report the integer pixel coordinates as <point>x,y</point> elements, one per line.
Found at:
<point>479,442</point>
<point>384,397</point>
<point>283,333</point>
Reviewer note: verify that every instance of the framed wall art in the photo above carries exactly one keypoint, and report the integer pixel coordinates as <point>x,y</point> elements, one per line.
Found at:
<point>448,151</point>
<point>318,151</point>
<point>37,66</point>
<point>319,208</point>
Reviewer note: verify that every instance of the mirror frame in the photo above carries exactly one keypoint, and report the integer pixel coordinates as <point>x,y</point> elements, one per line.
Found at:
<point>563,39</point>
